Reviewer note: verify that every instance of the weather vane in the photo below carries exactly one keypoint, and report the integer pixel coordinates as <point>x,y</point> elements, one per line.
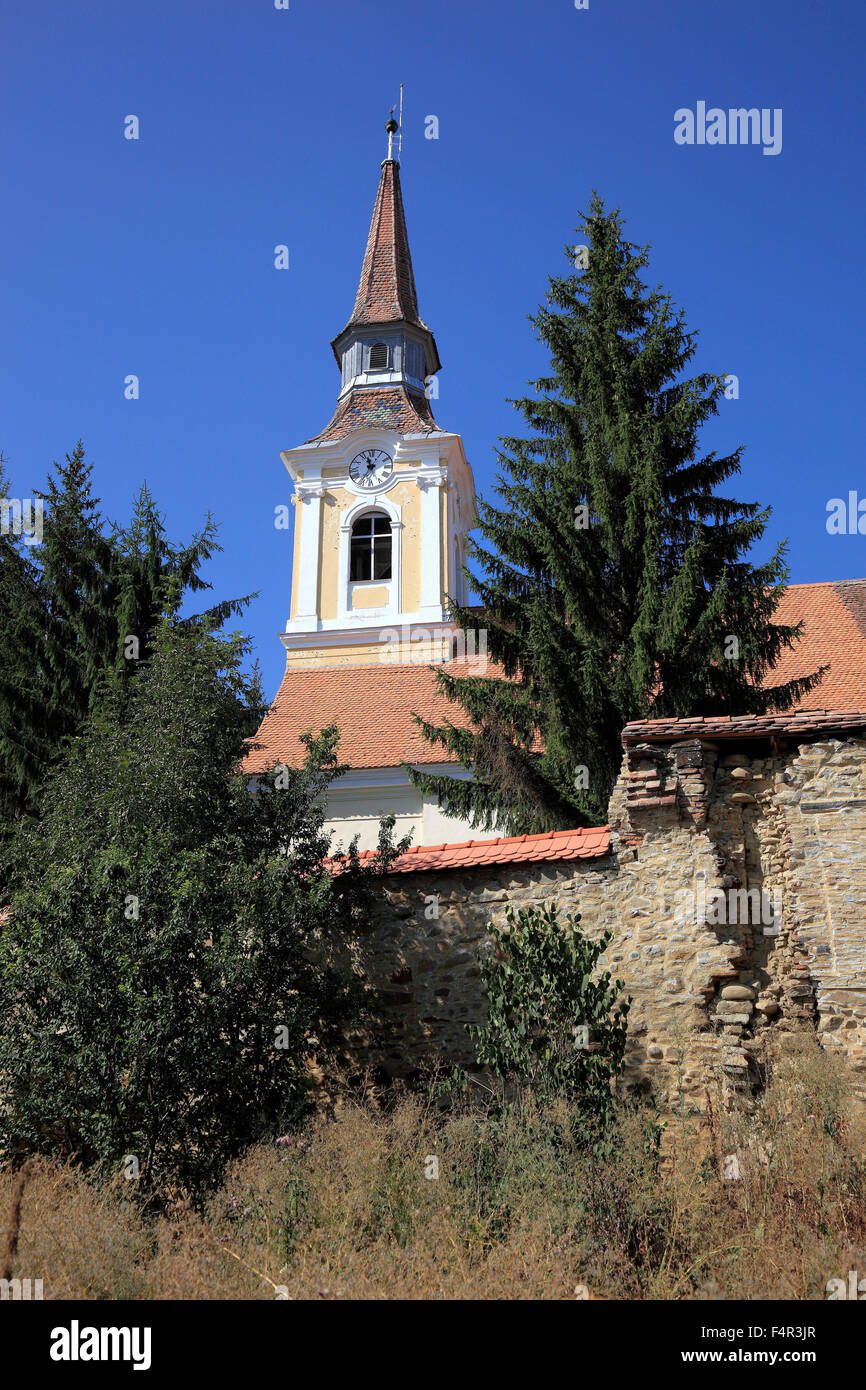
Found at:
<point>393,125</point>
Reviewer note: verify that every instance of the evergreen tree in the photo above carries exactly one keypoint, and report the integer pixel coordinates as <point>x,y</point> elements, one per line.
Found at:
<point>85,600</point>
<point>20,711</point>
<point>149,568</point>
<point>614,580</point>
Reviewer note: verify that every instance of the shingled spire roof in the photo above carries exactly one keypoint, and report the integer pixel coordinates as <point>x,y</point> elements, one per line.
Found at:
<point>386,290</point>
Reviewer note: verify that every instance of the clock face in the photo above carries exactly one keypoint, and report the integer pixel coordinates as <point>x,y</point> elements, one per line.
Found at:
<point>371,468</point>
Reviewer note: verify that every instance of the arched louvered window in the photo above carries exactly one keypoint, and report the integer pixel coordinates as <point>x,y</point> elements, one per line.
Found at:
<point>370,549</point>
<point>379,357</point>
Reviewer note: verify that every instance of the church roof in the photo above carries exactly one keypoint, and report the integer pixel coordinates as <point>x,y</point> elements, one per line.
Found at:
<point>834,635</point>
<point>386,290</point>
<point>373,705</point>
<point>379,407</point>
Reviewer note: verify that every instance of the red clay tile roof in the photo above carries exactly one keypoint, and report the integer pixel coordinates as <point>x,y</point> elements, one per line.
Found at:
<point>834,635</point>
<point>791,724</point>
<point>834,614</point>
<point>386,291</point>
<point>383,407</point>
<point>373,705</point>
<point>557,845</point>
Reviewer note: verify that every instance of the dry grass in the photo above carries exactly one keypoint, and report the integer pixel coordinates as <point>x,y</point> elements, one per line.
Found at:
<point>344,1209</point>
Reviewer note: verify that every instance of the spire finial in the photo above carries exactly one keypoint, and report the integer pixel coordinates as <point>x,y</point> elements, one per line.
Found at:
<point>392,127</point>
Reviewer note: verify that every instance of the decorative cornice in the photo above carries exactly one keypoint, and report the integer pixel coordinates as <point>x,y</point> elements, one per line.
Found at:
<point>344,636</point>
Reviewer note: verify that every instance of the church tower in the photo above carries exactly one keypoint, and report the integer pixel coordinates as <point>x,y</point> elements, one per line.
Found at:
<point>383,496</point>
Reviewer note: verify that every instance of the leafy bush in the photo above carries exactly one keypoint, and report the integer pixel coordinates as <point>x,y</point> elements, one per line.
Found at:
<point>176,950</point>
<point>550,1024</point>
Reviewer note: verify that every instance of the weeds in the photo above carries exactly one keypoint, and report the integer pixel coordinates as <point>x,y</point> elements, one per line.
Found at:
<point>522,1207</point>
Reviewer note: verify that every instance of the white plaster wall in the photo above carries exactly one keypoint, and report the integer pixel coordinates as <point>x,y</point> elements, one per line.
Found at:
<point>356,803</point>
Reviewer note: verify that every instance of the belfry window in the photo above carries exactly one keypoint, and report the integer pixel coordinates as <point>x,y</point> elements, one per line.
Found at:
<point>379,357</point>
<point>370,549</point>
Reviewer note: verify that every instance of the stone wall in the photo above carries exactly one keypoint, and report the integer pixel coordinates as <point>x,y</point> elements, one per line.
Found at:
<point>735,888</point>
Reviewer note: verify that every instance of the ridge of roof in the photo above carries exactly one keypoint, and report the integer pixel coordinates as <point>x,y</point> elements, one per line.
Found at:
<point>822,583</point>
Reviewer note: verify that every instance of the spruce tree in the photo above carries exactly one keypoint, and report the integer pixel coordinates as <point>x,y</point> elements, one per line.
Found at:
<point>153,575</point>
<point>614,580</point>
<point>22,619</point>
<point>69,606</point>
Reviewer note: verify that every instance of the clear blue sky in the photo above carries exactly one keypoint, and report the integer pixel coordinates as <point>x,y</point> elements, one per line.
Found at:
<point>262,126</point>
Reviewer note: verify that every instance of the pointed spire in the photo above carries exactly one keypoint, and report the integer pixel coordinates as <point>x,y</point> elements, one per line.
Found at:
<point>386,352</point>
<point>386,290</point>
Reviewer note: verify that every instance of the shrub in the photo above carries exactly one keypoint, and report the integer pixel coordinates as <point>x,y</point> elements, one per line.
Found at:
<point>176,950</point>
<point>550,1024</point>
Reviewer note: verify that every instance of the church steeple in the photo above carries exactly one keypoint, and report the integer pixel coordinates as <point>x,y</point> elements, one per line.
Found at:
<point>386,352</point>
<point>384,497</point>
<point>386,290</point>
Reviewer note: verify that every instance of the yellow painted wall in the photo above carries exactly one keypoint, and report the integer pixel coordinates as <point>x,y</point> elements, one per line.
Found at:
<point>409,497</point>
<point>388,653</point>
<point>333,504</point>
<point>370,598</point>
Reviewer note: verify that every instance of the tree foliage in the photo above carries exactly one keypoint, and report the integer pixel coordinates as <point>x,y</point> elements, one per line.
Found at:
<point>551,1024</point>
<point>86,599</point>
<point>177,947</point>
<point>613,578</point>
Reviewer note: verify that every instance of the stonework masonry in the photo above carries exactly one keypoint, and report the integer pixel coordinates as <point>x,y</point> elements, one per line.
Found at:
<point>735,889</point>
